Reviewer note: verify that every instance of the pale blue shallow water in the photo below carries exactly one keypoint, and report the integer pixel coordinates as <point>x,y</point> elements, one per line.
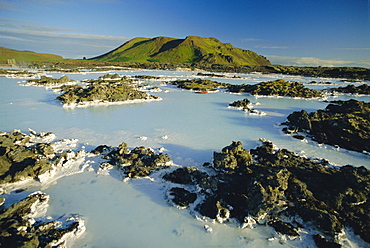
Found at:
<point>196,125</point>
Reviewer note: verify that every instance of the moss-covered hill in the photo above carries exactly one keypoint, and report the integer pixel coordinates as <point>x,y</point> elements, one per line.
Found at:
<point>192,49</point>
<point>6,53</point>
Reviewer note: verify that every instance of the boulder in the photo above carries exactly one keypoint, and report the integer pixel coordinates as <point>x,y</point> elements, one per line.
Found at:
<point>139,162</point>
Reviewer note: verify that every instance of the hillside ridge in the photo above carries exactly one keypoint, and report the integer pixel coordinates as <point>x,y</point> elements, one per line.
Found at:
<point>7,53</point>
<point>192,49</point>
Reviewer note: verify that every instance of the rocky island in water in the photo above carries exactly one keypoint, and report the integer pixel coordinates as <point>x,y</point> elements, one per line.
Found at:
<point>108,89</point>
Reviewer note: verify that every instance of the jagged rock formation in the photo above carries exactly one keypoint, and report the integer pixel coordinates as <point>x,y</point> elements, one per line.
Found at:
<point>246,106</point>
<point>242,104</point>
<point>18,227</point>
<point>32,156</point>
<point>342,123</point>
<point>352,89</point>
<point>27,157</point>
<point>278,87</point>
<point>21,159</point>
<point>277,187</point>
<point>139,162</point>
<point>192,49</point>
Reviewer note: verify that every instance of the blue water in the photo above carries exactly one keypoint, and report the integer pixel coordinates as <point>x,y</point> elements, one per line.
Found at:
<point>188,126</point>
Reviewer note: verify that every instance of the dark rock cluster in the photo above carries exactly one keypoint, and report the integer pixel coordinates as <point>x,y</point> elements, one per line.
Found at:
<point>243,104</point>
<point>202,74</point>
<point>18,227</point>
<point>21,159</point>
<point>352,89</point>
<point>139,162</point>
<point>246,106</point>
<point>342,123</point>
<point>30,156</point>
<point>199,84</point>
<point>276,187</point>
<point>278,87</point>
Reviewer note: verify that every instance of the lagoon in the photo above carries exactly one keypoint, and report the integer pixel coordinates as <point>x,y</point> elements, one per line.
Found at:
<point>188,126</point>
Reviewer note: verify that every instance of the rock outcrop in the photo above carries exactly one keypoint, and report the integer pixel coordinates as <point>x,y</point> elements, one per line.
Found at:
<point>21,158</point>
<point>276,187</point>
<point>199,84</point>
<point>50,82</point>
<point>30,157</point>
<point>246,106</point>
<point>139,162</point>
<point>363,89</point>
<point>20,228</point>
<point>278,87</point>
<point>100,91</point>
<point>342,123</point>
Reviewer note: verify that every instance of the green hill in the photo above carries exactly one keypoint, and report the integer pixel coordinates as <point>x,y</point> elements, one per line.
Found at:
<point>192,49</point>
<point>6,53</point>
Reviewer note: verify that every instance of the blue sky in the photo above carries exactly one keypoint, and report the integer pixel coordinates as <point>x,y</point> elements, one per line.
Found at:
<point>296,32</point>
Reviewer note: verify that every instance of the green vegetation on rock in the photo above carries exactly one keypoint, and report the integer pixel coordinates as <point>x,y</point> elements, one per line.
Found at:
<point>48,81</point>
<point>192,49</point>
<point>199,84</point>
<point>105,89</point>
<point>278,87</point>
<point>352,89</point>
<point>6,53</point>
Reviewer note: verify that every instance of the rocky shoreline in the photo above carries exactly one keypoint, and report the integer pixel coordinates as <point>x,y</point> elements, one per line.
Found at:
<point>342,123</point>
<point>264,186</point>
<point>21,226</point>
<point>363,89</point>
<point>34,158</point>
<point>275,187</point>
<point>325,72</point>
<point>278,87</point>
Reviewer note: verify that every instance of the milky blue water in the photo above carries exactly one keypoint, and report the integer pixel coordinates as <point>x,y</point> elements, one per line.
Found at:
<point>188,126</point>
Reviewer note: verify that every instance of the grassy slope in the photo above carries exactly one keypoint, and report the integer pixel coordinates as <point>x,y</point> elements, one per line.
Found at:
<point>6,53</point>
<point>190,50</point>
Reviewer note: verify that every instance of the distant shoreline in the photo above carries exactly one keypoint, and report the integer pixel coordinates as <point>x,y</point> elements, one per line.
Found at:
<point>70,66</point>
